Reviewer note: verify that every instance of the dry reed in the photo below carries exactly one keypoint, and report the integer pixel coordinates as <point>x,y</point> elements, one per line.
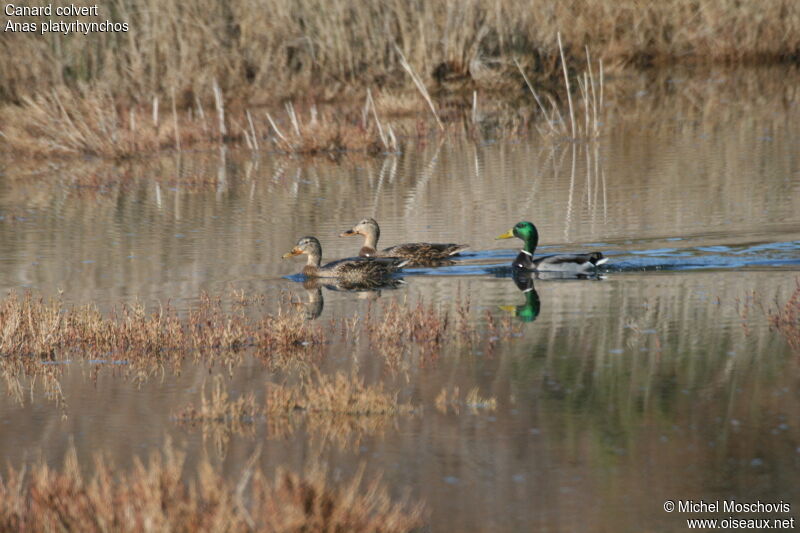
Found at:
<point>449,399</point>
<point>89,123</point>
<point>158,497</point>
<point>255,51</point>
<point>785,319</point>
<point>339,395</point>
<point>38,337</point>
<point>219,416</point>
<point>218,407</point>
<point>34,330</point>
<point>101,93</point>
<point>337,409</point>
<point>400,326</point>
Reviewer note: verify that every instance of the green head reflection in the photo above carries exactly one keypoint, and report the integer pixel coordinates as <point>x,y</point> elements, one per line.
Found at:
<point>528,311</point>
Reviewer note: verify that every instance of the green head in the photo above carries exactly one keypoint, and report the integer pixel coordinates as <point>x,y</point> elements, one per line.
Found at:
<point>525,231</point>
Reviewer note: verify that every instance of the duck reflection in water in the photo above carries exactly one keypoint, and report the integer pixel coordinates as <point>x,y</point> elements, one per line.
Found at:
<point>528,311</point>
<point>313,307</point>
<point>315,302</point>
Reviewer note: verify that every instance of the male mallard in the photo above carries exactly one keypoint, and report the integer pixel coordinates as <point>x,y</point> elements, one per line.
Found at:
<point>352,269</point>
<point>570,263</point>
<point>416,252</point>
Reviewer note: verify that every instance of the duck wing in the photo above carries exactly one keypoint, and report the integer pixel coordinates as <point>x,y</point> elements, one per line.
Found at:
<point>569,262</point>
<point>362,267</point>
<point>421,252</point>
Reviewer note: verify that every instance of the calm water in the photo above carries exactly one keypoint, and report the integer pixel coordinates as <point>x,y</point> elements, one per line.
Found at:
<point>623,392</point>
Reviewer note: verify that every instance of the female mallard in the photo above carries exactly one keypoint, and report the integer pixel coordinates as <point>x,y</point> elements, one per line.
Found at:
<point>571,263</point>
<point>352,269</point>
<point>415,252</point>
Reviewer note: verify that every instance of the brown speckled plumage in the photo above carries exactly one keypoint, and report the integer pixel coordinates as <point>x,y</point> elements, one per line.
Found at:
<point>352,269</point>
<point>417,253</point>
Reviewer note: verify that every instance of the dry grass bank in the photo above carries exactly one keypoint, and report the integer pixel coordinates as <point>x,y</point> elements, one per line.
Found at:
<point>270,50</point>
<point>157,497</point>
<point>90,122</point>
<point>36,330</point>
<point>189,73</point>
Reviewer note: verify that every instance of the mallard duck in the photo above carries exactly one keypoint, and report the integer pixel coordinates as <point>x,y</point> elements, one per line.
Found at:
<point>416,252</point>
<point>570,263</point>
<point>351,269</point>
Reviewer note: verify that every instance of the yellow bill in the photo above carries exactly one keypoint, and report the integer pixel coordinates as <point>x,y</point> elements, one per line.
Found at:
<point>295,251</point>
<point>507,235</point>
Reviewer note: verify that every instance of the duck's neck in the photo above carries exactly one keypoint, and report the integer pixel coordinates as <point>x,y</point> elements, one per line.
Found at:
<point>371,239</point>
<point>367,251</point>
<point>530,242</point>
<point>314,260</point>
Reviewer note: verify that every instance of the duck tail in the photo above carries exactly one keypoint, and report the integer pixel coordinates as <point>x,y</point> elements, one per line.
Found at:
<point>457,248</point>
<point>597,259</point>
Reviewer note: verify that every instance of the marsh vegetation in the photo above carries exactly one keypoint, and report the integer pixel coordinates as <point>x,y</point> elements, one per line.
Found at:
<point>265,74</point>
<point>162,367</point>
<point>156,495</point>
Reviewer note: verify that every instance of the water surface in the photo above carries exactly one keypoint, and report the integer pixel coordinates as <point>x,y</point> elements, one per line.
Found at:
<point>620,392</point>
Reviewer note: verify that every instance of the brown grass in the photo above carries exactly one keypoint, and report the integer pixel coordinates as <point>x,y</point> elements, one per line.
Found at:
<point>219,416</point>
<point>90,122</point>
<point>259,51</point>
<point>785,319</point>
<point>475,401</point>
<point>339,409</point>
<point>157,497</point>
<point>188,74</point>
<point>33,329</point>
<point>39,337</point>
<point>40,329</point>
<point>218,407</point>
<point>339,394</point>
<point>399,327</point>
<point>449,399</point>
